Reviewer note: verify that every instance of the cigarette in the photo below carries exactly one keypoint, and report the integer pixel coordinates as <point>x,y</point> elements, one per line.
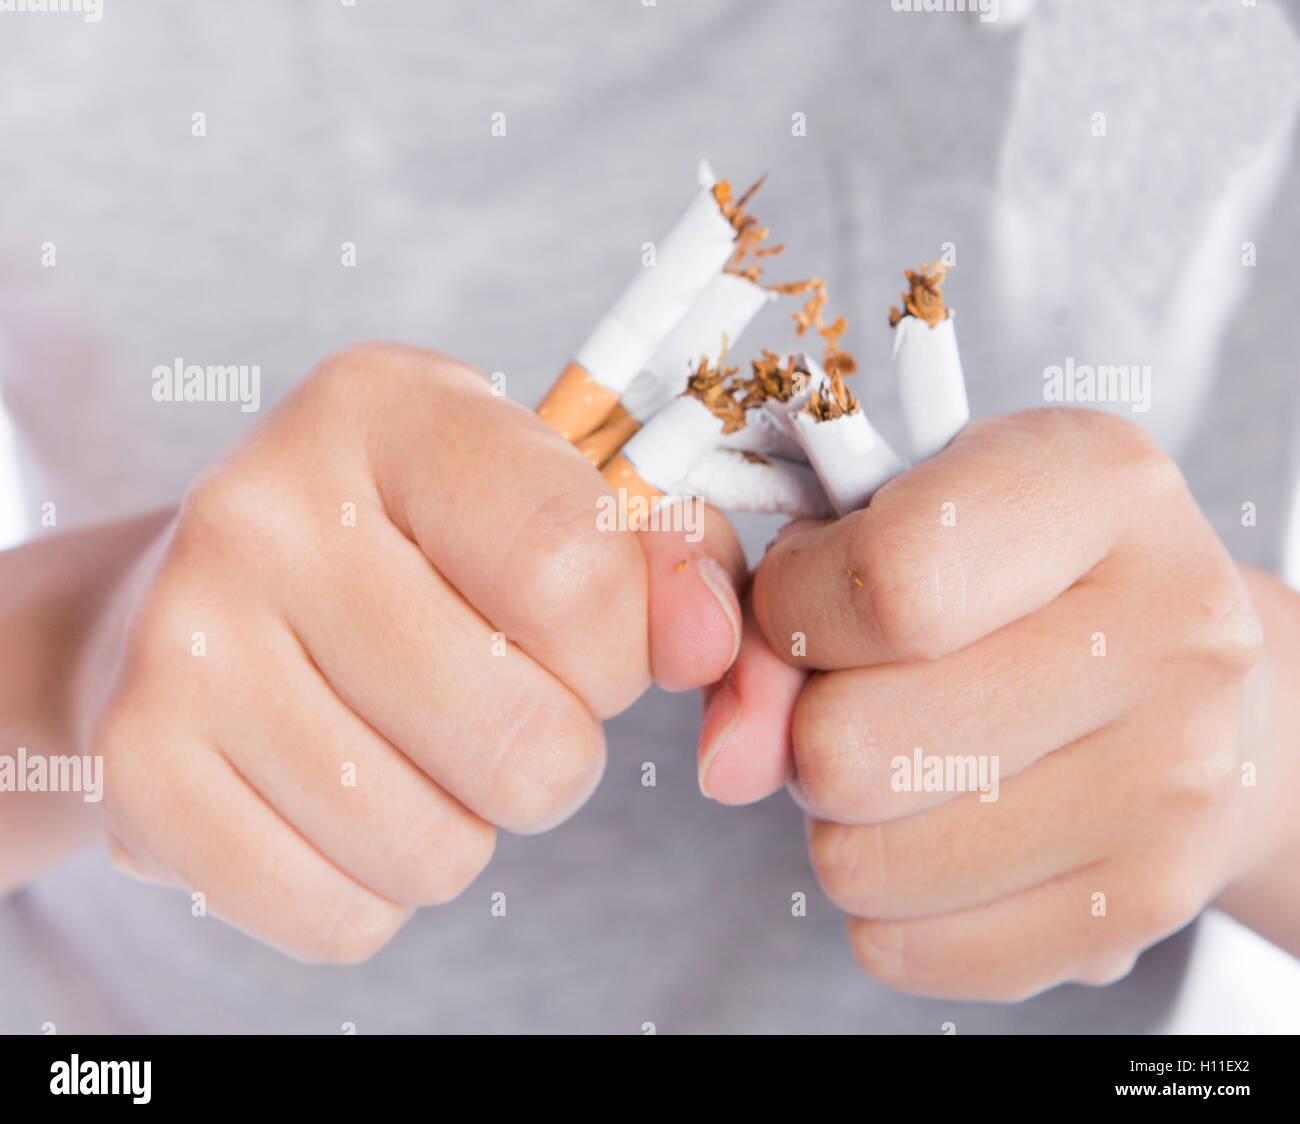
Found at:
<point>664,450</point>
<point>850,458</point>
<point>689,256</point>
<point>718,317</point>
<point>598,447</point>
<point>931,387</point>
<point>712,325</point>
<point>669,445</point>
<point>741,481</point>
<point>809,402</point>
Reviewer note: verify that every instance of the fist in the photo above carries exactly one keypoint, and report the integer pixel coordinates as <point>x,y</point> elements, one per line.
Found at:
<point>1020,694</point>
<point>385,626</point>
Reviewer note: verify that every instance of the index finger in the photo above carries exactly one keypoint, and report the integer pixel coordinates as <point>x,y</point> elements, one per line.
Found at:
<point>1004,520</point>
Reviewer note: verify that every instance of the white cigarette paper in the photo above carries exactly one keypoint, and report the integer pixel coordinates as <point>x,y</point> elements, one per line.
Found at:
<point>766,435</point>
<point>670,444</point>
<point>731,481</point>
<point>721,313</point>
<point>687,258</point>
<point>850,458</point>
<point>930,383</point>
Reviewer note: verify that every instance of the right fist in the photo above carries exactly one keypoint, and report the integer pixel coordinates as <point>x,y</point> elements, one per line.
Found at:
<point>382,626</point>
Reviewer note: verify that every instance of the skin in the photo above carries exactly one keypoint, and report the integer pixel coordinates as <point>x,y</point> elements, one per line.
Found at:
<point>1124,774</point>
<point>1119,774</point>
<point>373,644</point>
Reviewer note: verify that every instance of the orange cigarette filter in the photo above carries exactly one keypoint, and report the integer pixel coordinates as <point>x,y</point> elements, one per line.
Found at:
<point>609,438</point>
<point>576,404</point>
<point>628,485</point>
<point>712,233</point>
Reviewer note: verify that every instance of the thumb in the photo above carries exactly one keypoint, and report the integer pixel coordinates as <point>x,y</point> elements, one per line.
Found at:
<point>746,752</point>
<point>694,609</point>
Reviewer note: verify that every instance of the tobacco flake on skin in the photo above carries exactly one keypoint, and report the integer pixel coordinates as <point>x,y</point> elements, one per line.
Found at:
<point>924,298</point>
<point>681,565</point>
<point>855,574</point>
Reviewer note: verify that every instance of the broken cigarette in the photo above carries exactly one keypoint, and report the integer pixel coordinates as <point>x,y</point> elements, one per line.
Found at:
<point>718,317</point>
<point>692,253</point>
<point>931,387</point>
<point>850,458</point>
<point>669,445</point>
<point>739,481</point>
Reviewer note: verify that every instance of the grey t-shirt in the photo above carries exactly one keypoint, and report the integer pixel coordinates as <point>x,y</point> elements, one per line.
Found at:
<point>220,239</point>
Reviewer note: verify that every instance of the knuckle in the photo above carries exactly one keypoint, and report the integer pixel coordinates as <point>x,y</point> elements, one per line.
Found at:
<point>902,609</point>
<point>828,767</point>
<point>118,744</point>
<point>1138,456</point>
<point>1230,635</point>
<point>838,756</point>
<point>225,505</point>
<point>833,853</point>
<point>1203,779</point>
<point>354,372</point>
<point>1171,904</point>
<point>572,573</point>
<point>854,867</point>
<point>356,928</point>
<point>552,760</point>
<point>437,864</point>
<point>1107,973</point>
<point>881,950</point>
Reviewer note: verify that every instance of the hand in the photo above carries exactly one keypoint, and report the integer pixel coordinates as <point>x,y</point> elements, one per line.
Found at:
<point>1043,602</point>
<point>382,627</point>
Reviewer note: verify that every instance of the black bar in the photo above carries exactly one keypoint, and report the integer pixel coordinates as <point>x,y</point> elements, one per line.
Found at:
<point>360,1072</point>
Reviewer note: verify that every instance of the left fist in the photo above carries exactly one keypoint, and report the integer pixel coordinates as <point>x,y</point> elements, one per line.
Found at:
<point>1037,705</point>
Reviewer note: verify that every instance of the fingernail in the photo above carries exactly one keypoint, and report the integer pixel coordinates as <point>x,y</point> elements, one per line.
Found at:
<point>719,584</point>
<point>721,718</point>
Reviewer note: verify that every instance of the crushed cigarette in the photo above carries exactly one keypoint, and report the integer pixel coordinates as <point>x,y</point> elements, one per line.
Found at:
<point>714,386</point>
<point>927,364</point>
<point>831,400</point>
<point>924,298</point>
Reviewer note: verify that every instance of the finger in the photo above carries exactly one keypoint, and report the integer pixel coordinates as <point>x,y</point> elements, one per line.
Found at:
<point>693,575</point>
<point>1005,519</point>
<point>745,746</point>
<point>193,815</point>
<point>980,847</point>
<point>476,714</point>
<point>1014,948</point>
<point>508,512</point>
<point>350,793</point>
<point>137,866</point>
<point>1001,703</point>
